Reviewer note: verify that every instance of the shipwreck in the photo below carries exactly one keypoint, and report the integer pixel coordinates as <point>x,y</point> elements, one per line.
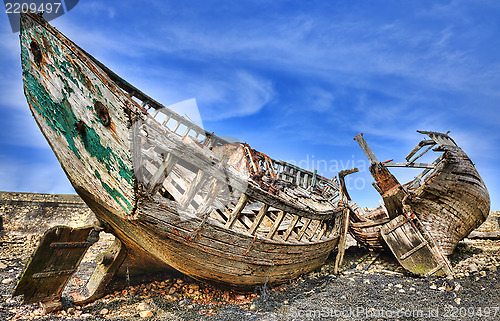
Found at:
<point>180,198</point>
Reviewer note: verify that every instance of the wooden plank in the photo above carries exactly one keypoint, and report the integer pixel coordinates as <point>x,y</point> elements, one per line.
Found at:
<point>288,206</point>
<point>237,210</point>
<point>342,242</point>
<point>314,230</point>
<point>208,199</point>
<point>366,149</point>
<point>410,248</point>
<point>418,147</point>
<point>276,224</point>
<point>290,228</point>
<point>415,249</point>
<point>192,189</point>
<point>420,155</point>
<point>414,165</point>
<point>370,223</point>
<point>166,166</point>
<point>258,219</point>
<point>302,231</point>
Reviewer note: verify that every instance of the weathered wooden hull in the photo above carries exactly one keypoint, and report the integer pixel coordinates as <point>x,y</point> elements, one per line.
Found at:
<point>450,202</point>
<point>89,122</point>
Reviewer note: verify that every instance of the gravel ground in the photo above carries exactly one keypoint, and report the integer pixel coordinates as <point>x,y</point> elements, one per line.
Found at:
<point>372,286</point>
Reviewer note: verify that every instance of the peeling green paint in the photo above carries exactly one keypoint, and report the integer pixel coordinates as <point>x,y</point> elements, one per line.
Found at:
<point>114,193</point>
<point>61,119</point>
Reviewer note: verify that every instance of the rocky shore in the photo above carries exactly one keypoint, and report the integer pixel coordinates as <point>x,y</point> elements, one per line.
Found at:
<point>371,286</point>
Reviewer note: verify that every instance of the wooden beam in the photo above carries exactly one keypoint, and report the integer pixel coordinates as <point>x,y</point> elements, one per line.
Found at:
<point>165,168</point>
<point>258,219</point>
<point>192,189</point>
<point>342,241</point>
<point>237,210</point>
<point>303,229</point>
<point>276,224</point>
<point>366,149</point>
<point>290,228</point>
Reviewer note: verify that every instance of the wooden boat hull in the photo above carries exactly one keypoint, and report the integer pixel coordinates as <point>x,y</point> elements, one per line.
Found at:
<point>88,121</point>
<point>453,200</point>
<point>439,208</point>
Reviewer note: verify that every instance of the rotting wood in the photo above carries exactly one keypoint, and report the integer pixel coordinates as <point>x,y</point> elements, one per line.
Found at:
<point>237,210</point>
<point>451,201</point>
<point>258,219</point>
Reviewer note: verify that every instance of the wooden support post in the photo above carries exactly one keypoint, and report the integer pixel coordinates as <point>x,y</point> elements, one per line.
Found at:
<point>189,194</point>
<point>165,121</point>
<point>290,228</point>
<point>276,224</point>
<point>342,241</point>
<point>303,229</point>
<point>366,149</point>
<point>165,168</point>
<point>177,126</point>
<point>237,211</point>
<point>258,219</point>
<point>208,199</point>
<point>187,131</point>
<point>323,230</point>
<point>315,230</point>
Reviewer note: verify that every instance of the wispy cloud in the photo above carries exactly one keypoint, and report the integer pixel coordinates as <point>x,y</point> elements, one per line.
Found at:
<point>303,74</point>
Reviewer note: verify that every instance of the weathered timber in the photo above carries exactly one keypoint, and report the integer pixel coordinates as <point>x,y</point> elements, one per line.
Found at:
<point>173,201</point>
<point>434,214</point>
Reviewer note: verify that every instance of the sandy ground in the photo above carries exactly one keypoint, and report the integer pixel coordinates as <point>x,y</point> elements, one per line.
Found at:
<point>371,286</point>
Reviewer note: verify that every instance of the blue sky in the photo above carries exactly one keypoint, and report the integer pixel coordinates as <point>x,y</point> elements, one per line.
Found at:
<point>295,79</point>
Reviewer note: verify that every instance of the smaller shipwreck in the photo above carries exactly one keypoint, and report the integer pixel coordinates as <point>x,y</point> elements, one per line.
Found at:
<point>423,220</point>
<point>179,198</point>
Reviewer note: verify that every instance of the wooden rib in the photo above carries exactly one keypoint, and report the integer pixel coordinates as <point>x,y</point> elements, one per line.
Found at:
<point>290,228</point>
<point>187,131</point>
<point>237,210</point>
<point>258,219</point>
<point>177,126</point>
<point>276,224</point>
<point>208,199</point>
<point>315,229</point>
<point>193,188</point>
<point>323,230</point>
<point>304,228</point>
<point>165,168</point>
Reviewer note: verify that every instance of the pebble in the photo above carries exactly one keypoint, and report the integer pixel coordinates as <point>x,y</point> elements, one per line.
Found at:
<point>399,286</point>
<point>433,286</point>
<point>458,301</point>
<point>7,281</point>
<point>172,290</point>
<point>457,286</point>
<point>473,267</point>
<point>104,311</point>
<point>143,306</point>
<point>482,273</point>
<point>492,268</point>
<point>86,315</point>
<point>2,266</point>
<point>146,314</point>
